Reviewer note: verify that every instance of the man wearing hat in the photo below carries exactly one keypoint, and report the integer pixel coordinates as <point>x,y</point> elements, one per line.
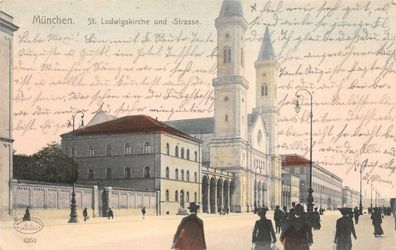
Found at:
<point>263,232</point>
<point>344,229</point>
<point>190,233</point>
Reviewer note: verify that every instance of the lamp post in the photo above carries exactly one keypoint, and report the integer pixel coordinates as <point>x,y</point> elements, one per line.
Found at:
<point>360,194</point>
<point>73,205</point>
<point>255,188</point>
<point>310,191</point>
<point>371,196</point>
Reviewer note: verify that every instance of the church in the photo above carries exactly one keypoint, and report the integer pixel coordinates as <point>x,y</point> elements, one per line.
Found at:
<point>228,162</point>
<point>234,140</point>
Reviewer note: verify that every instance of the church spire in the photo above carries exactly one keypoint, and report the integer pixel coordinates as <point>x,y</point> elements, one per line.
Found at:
<point>266,51</point>
<point>231,8</point>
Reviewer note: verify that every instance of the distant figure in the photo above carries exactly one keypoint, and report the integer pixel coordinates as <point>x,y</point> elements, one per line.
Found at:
<point>293,205</point>
<point>316,219</point>
<point>284,218</point>
<point>377,220</point>
<point>143,212</point>
<point>110,214</point>
<point>255,208</point>
<point>297,234</point>
<point>263,232</point>
<point>190,233</point>
<point>85,214</point>
<point>26,217</point>
<point>344,229</point>
<point>278,214</point>
<point>356,213</point>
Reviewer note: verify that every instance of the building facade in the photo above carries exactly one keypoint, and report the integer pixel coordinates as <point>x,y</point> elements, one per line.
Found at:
<point>141,153</point>
<point>7,29</point>
<point>327,187</point>
<point>350,197</point>
<point>290,189</point>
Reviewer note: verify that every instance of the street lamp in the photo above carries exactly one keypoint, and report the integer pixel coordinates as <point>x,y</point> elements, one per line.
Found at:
<point>360,195</point>
<point>73,205</point>
<point>371,196</point>
<point>310,191</point>
<point>255,187</point>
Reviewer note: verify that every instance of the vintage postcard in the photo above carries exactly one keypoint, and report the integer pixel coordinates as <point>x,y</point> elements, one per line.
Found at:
<point>197,124</point>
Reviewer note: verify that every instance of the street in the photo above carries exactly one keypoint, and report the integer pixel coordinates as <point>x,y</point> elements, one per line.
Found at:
<point>222,232</point>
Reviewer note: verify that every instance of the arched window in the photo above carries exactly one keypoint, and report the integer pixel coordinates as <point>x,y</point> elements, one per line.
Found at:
<point>167,148</point>
<point>128,149</point>
<point>127,173</point>
<point>195,196</point>
<point>108,150</point>
<point>167,172</point>
<point>167,195</point>
<point>91,151</point>
<point>182,153</point>
<point>90,174</point>
<point>188,196</point>
<point>195,177</point>
<point>182,174</point>
<point>176,196</point>
<point>264,90</point>
<point>108,173</point>
<point>147,148</point>
<point>227,55</point>
<point>196,156</point>
<point>176,174</point>
<point>146,172</point>
<point>177,151</point>
<point>188,175</point>
<point>188,154</point>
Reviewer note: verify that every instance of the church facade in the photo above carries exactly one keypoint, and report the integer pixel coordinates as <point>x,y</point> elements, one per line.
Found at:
<point>234,140</point>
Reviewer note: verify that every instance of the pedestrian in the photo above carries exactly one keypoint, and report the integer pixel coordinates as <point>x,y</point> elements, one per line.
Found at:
<point>277,218</point>
<point>26,216</point>
<point>110,214</point>
<point>297,234</point>
<point>377,220</point>
<point>316,219</point>
<point>263,232</point>
<point>85,214</point>
<point>143,212</point>
<point>190,232</point>
<point>356,213</point>
<point>284,218</point>
<point>255,208</point>
<point>344,229</point>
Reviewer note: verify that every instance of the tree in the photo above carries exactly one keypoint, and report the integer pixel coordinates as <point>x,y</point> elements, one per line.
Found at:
<point>50,164</point>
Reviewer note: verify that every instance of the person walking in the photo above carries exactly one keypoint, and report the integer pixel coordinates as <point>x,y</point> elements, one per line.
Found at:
<point>316,219</point>
<point>277,218</point>
<point>190,232</point>
<point>85,214</point>
<point>297,234</point>
<point>111,214</point>
<point>356,213</point>
<point>143,212</point>
<point>26,216</point>
<point>344,229</point>
<point>263,232</point>
<point>377,221</point>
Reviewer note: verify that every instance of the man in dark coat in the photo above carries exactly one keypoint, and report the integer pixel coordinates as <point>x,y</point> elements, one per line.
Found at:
<point>377,220</point>
<point>344,229</point>
<point>85,214</point>
<point>190,233</point>
<point>277,218</point>
<point>111,214</point>
<point>356,213</point>
<point>26,217</point>
<point>297,234</point>
<point>263,232</point>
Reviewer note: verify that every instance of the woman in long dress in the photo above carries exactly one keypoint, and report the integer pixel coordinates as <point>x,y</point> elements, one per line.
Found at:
<point>377,220</point>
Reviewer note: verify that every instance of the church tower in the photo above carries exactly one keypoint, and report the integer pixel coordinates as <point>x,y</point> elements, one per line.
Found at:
<point>7,29</point>
<point>266,104</point>
<point>228,148</point>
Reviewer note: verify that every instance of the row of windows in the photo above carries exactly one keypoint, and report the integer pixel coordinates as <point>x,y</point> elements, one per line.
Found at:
<point>180,197</point>
<point>181,175</point>
<point>127,173</point>
<point>185,154</point>
<point>147,149</point>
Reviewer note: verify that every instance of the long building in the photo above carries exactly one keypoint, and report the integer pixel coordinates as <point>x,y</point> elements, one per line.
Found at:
<point>327,187</point>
